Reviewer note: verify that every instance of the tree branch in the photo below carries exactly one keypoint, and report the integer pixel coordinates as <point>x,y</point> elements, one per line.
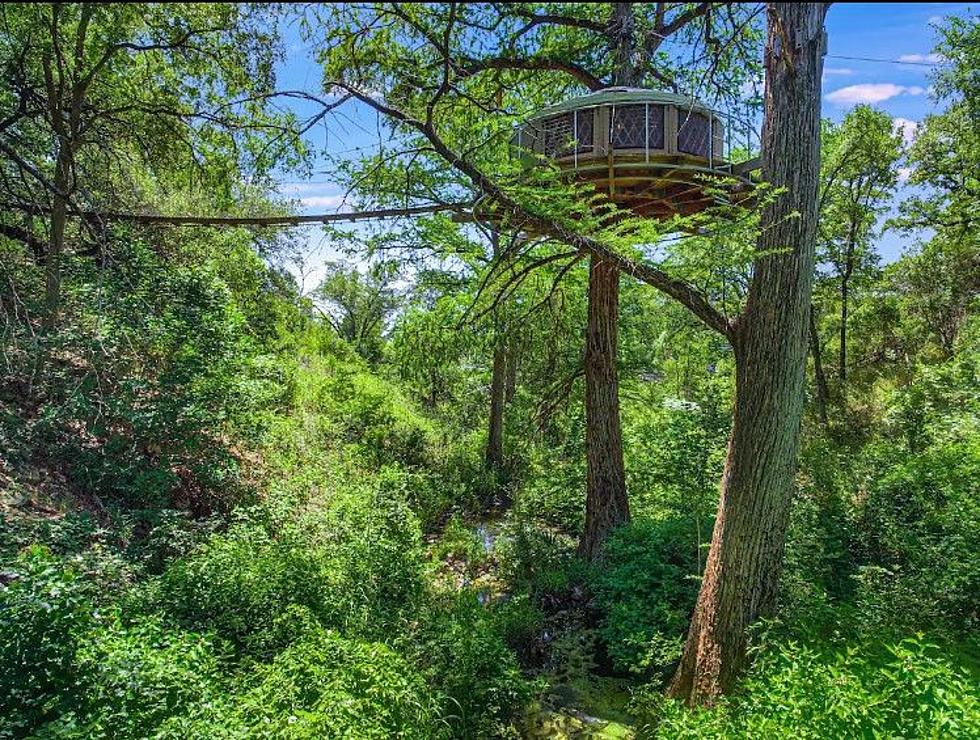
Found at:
<point>540,64</point>
<point>685,293</point>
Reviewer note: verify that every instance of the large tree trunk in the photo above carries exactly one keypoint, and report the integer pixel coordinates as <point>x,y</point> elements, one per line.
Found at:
<point>770,342</point>
<point>606,505</point>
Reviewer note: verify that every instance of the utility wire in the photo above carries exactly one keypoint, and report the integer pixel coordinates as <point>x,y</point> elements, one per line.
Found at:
<point>884,61</point>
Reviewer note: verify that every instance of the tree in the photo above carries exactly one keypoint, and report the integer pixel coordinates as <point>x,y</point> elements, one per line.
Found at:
<point>95,88</point>
<point>946,150</point>
<point>498,385</point>
<point>858,177</point>
<point>547,52</point>
<point>606,504</point>
<point>769,338</point>
<point>770,341</point>
<point>357,304</point>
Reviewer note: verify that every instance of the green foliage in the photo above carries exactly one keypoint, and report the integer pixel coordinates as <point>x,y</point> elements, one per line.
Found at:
<point>480,685</point>
<point>355,565</point>
<point>155,370</point>
<point>367,414</point>
<point>45,611</point>
<point>882,530</point>
<point>322,686</point>
<point>908,689</point>
<point>136,676</point>
<point>645,592</point>
<point>359,303</point>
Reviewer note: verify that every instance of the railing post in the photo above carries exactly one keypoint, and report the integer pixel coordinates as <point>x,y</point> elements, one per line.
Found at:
<point>711,140</point>
<point>575,138</point>
<point>646,131</point>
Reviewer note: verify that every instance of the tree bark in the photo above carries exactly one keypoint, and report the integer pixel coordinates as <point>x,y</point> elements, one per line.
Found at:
<point>770,342</point>
<point>819,376</point>
<point>495,436</point>
<point>606,505</point>
<point>498,377</point>
<point>510,383</point>
<point>622,40</point>
<point>845,285</point>
<point>56,240</point>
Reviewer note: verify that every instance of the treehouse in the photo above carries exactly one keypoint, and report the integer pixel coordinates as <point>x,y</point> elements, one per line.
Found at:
<point>655,153</point>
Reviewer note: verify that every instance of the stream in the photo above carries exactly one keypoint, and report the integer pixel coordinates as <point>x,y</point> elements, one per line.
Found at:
<point>577,703</point>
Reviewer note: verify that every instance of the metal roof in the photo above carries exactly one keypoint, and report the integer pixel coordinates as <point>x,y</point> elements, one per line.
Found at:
<point>620,95</point>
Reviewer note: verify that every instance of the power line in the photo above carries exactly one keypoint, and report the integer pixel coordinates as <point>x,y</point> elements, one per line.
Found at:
<point>884,61</point>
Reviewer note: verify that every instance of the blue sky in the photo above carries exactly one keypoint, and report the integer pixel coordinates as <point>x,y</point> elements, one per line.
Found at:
<point>896,32</point>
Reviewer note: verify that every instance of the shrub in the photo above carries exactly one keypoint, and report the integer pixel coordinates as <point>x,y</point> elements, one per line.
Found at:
<point>45,610</point>
<point>322,686</point>
<point>909,690</point>
<point>883,535</point>
<point>137,676</point>
<point>645,591</point>
<point>355,563</point>
<point>476,676</point>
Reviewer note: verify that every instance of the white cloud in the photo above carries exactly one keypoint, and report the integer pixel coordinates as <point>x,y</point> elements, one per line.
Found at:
<point>904,173</point>
<point>871,92</point>
<point>329,202</point>
<point>322,195</point>
<point>299,188</point>
<point>922,58</point>
<point>842,71</point>
<point>908,129</point>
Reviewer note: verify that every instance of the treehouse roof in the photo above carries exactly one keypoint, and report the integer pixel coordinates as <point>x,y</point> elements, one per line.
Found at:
<point>623,95</point>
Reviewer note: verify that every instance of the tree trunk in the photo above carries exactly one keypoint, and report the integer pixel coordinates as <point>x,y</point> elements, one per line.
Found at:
<point>819,376</point>
<point>510,383</point>
<point>845,285</point>
<point>842,357</point>
<point>606,505</point>
<point>622,40</point>
<point>498,380</point>
<point>770,341</point>
<point>495,437</point>
<point>56,242</point>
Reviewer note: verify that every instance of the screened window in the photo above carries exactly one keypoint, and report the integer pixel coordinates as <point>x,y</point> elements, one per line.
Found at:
<point>568,133</point>
<point>693,131</point>
<point>629,127</point>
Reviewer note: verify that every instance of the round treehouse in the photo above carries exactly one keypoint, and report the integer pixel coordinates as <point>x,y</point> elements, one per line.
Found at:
<point>649,151</point>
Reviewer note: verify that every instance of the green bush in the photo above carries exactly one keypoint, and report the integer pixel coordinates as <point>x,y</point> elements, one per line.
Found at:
<point>136,676</point>
<point>45,611</point>
<point>477,678</point>
<point>880,539</point>
<point>368,414</point>
<point>645,591</point>
<point>908,690</point>
<point>321,686</point>
<point>356,564</point>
